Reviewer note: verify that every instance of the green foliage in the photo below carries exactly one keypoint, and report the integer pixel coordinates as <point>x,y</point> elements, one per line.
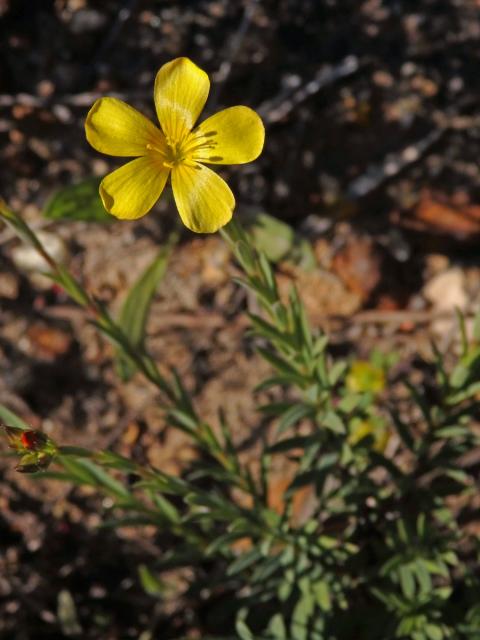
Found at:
<point>272,236</point>
<point>11,419</point>
<point>277,241</point>
<point>366,541</point>
<point>133,316</point>
<point>78,202</point>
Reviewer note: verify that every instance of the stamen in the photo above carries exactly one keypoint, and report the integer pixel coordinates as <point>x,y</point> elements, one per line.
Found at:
<point>205,145</point>
<point>195,145</point>
<point>152,147</point>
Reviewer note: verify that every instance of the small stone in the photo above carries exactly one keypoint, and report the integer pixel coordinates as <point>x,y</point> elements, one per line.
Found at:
<point>45,88</point>
<point>446,291</point>
<point>9,286</point>
<point>87,20</point>
<point>383,79</point>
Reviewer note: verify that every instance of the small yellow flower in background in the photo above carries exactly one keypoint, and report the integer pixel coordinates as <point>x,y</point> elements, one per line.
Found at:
<point>204,200</point>
<point>360,429</point>
<point>365,377</point>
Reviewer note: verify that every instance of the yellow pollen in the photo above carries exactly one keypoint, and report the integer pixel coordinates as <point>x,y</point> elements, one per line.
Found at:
<point>182,152</point>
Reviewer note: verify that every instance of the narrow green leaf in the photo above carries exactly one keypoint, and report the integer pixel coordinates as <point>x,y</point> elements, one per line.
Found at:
<point>223,542</point>
<point>423,577</point>
<point>67,614</point>
<point>268,275</point>
<point>266,569</point>
<point>337,371</point>
<point>87,472</point>
<point>281,365</point>
<point>452,432</point>
<point>301,616</point>
<point>333,422</point>
<point>295,442</point>
<point>350,402</point>
<point>276,627</point>
<point>19,225</point>
<point>293,415</point>
<point>267,330</point>
<point>244,562</point>
<point>111,459</point>
<point>322,595</point>
<point>274,381</point>
<point>134,313</point>
<point>407,582</point>
<point>243,631</point>
<point>183,420</point>
<point>433,632</point>
<point>302,327</point>
<point>11,419</point>
<point>459,376</point>
<point>129,521</point>
<point>166,508</point>
<point>74,289</point>
<point>79,201</point>
<point>151,583</point>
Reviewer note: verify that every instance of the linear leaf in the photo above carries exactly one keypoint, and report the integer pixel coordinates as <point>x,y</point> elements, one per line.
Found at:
<point>134,313</point>
<point>79,201</point>
<point>11,419</point>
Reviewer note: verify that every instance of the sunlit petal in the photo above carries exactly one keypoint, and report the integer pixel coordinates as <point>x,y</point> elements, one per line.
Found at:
<point>232,136</point>
<point>131,191</point>
<point>181,90</point>
<point>114,127</point>
<point>203,199</point>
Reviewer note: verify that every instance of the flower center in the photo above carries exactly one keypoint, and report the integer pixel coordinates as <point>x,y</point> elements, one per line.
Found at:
<point>175,154</point>
<point>195,147</point>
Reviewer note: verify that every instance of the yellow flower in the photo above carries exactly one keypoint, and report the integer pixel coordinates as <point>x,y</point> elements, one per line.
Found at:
<point>204,200</point>
<point>365,377</point>
<point>360,429</point>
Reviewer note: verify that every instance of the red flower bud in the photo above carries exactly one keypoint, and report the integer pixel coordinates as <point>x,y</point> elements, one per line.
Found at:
<point>35,448</point>
<point>33,440</point>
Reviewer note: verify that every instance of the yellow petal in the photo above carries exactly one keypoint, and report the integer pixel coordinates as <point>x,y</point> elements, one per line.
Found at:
<point>181,90</point>
<point>114,127</point>
<point>204,200</point>
<point>232,136</point>
<point>131,191</point>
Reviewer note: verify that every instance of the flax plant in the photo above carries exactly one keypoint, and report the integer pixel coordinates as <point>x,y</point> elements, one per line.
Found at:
<point>378,549</point>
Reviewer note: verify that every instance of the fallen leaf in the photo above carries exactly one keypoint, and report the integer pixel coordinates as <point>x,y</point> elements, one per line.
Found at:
<point>48,341</point>
<point>359,265</point>
<point>437,214</point>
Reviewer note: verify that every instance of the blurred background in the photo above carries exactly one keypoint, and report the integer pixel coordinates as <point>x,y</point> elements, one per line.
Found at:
<point>367,196</point>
